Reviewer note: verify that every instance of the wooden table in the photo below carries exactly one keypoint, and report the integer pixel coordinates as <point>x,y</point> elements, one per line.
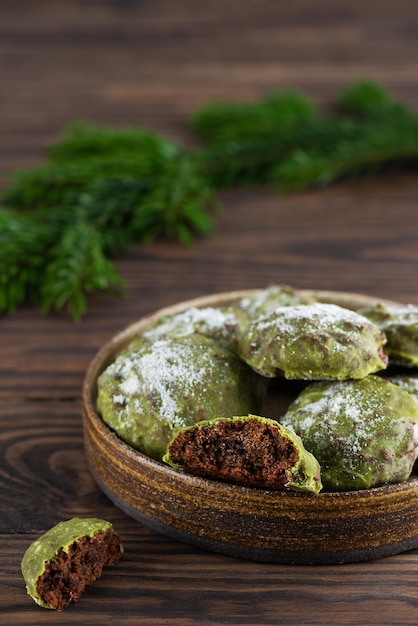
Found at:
<point>152,64</point>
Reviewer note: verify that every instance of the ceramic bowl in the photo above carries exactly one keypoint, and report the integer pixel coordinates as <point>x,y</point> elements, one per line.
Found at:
<point>256,524</point>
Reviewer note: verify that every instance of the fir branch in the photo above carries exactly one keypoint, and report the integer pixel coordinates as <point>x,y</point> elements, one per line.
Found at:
<point>248,161</point>
<point>224,122</point>
<point>134,185</point>
<point>100,192</point>
<point>51,263</point>
<point>245,140</point>
<point>24,243</point>
<point>174,209</point>
<point>87,154</point>
<point>366,99</point>
<point>77,265</point>
<point>85,141</point>
<point>371,133</point>
<point>385,140</point>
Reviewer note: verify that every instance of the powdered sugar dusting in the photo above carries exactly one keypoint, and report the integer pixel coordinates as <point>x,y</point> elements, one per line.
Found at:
<point>272,297</point>
<point>404,314</point>
<point>320,317</point>
<point>317,341</point>
<point>163,373</point>
<point>341,408</point>
<point>131,385</point>
<point>209,321</point>
<point>345,421</point>
<point>409,383</point>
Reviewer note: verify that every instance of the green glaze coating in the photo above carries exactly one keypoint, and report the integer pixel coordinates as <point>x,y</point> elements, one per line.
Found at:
<point>269,299</point>
<point>155,386</point>
<point>46,547</point>
<point>305,473</point>
<point>409,382</point>
<point>400,325</point>
<point>224,324</point>
<point>313,342</point>
<point>364,433</point>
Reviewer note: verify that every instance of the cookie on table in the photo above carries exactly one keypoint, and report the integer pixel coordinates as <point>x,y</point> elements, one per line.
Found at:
<point>252,451</point>
<point>313,342</point>
<point>364,433</point>
<point>400,325</point>
<point>156,386</point>
<point>60,564</point>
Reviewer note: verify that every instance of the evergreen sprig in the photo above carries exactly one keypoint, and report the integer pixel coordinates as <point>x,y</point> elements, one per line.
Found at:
<point>24,242</point>
<point>221,122</point>
<point>52,263</point>
<point>368,132</point>
<point>246,140</point>
<point>374,134</point>
<point>77,265</point>
<point>102,190</point>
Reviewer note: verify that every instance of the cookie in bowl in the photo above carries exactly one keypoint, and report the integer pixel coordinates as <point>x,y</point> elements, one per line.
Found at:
<point>153,387</point>
<point>400,325</point>
<point>320,341</point>
<point>364,433</point>
<point>266,300</point>
<point>248,450</point>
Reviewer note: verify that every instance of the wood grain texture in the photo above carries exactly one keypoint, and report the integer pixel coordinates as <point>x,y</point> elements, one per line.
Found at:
<point>152,63</point>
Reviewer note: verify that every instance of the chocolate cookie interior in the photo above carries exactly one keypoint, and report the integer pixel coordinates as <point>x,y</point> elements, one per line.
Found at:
<point>68,574</point>
<point>249,452</point>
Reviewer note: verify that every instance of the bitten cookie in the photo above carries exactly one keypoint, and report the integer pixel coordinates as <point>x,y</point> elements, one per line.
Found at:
<point>59,565</point>
<point>250,450</point>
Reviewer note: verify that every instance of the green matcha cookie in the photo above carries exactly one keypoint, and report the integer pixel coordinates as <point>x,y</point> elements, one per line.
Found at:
<point>269,299</point>
<point>224,324</point>
<point>400,325</point>
<point>408,382</point>
<point>252,451</point>
<point>59,565</point>
<point>313,342</point>
<point>154,387</point>
<point>364,433</point>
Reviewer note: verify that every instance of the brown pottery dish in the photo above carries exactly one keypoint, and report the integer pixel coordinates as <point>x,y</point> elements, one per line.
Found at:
<point>256,524</point>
